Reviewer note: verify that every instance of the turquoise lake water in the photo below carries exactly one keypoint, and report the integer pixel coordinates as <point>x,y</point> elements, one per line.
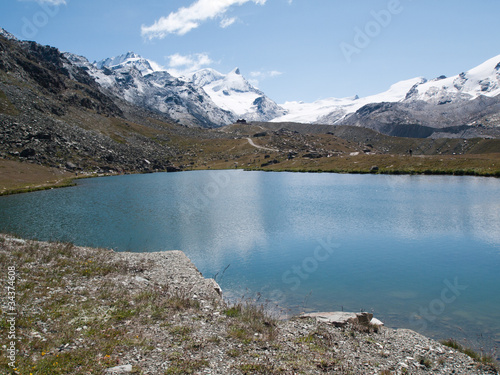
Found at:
<point>420,252</point>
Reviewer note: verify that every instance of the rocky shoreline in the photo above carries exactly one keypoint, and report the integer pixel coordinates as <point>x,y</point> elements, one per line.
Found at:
<point>81,310</point>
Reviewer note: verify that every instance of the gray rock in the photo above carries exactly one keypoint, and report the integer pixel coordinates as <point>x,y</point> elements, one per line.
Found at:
<point>125,369</point>
<point>376,322</point>
<point>340,318</point>
<point>337,318</point>
<point>364,318</point>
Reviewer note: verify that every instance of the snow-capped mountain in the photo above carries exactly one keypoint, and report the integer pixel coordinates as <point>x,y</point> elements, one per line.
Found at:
<point>130,59</point>
<point>333,110</point>
<point>207,97</point>
<point>468,99</point>
<point>234,93</point>
<point>483,80</point>
<point>145,83</point>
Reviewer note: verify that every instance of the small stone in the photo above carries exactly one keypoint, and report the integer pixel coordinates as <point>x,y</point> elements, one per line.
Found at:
<point>376,322</point>
<point>119,369</point>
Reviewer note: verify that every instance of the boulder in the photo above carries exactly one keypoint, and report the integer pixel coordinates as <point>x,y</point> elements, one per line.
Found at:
<point>28,152</point>
<point>71,166</point>
<point>337,318</point>
<point>364,318</point>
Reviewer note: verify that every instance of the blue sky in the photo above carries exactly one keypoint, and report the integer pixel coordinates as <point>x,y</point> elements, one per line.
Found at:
<point>291,49</point>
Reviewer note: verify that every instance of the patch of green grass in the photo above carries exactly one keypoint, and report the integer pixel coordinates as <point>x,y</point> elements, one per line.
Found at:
<point>241,333</point>
<point>178,302</point>
<point>250,319</point>
<point>233,312</point>
<point>319,341</point>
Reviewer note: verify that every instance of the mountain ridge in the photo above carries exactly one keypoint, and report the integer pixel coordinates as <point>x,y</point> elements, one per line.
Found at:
<point>468,99</point>
<point>210,99</point>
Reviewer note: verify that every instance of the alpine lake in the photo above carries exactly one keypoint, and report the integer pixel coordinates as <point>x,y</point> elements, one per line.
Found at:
<point>420,252</point>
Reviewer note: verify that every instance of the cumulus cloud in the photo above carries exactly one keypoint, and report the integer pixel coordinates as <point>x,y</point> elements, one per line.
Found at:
<point>179,65</point>
<point>188,18</point>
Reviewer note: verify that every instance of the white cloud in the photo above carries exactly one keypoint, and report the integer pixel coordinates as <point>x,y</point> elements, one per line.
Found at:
<point>264,75</point>
<point>186,19</point>
<point>226,22</point>
<point>260,76</point>
<point>180,65</point>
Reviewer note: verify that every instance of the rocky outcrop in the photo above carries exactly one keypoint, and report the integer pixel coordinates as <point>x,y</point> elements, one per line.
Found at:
<point>342,319</point>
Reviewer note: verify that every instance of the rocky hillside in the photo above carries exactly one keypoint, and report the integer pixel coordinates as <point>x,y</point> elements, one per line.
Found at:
<point>52,112</point>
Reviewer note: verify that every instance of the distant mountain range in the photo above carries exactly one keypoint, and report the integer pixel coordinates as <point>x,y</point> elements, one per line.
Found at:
<point>466,105</point>
<point>468,102</point>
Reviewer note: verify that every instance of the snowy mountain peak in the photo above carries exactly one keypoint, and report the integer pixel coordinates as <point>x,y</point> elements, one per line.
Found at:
<point>483,80</point>
<point>128,61</point>
<point>204,77</point>
<point>233,93</point>
<point>7,35</point>
<point>333,110</point>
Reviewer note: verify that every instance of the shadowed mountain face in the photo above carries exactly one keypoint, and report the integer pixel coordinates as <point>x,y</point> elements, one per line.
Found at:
<point>472,118</point>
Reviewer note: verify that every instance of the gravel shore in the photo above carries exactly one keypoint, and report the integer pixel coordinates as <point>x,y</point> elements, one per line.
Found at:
<point>94,311</point>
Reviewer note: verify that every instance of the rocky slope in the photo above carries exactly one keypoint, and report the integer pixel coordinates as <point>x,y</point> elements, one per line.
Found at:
<point>52,112</point>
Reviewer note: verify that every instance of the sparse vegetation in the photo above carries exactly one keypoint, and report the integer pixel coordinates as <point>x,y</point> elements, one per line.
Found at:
<point>484,359</point>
